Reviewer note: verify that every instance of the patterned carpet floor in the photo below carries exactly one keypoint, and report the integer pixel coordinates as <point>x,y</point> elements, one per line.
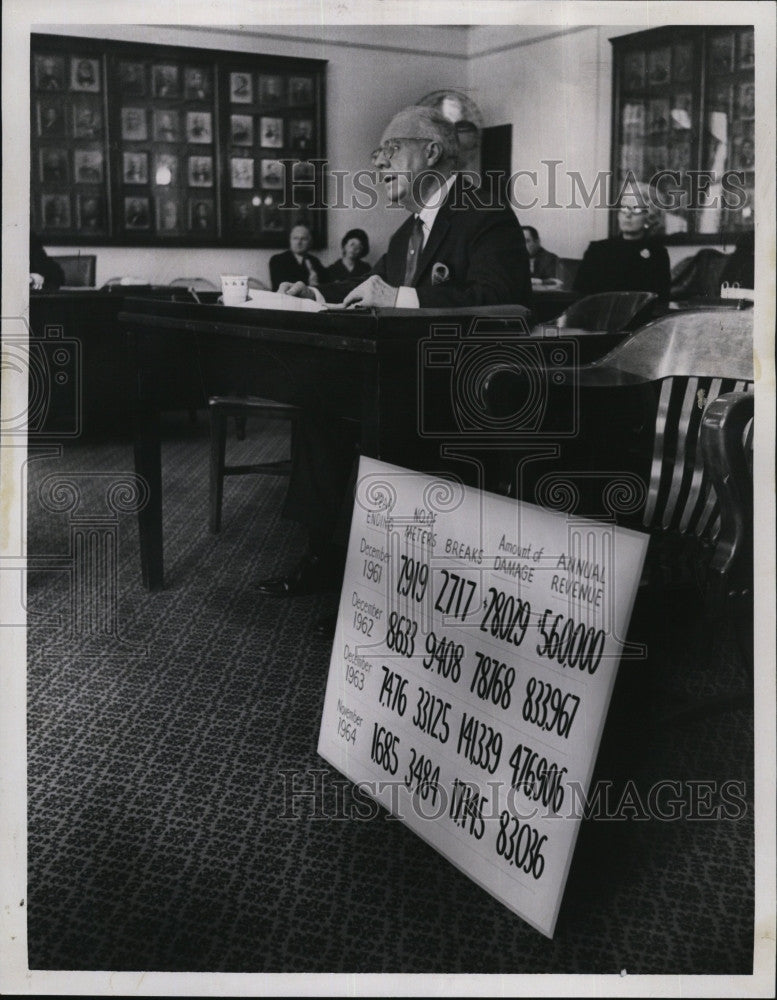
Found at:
<point>162,835</point>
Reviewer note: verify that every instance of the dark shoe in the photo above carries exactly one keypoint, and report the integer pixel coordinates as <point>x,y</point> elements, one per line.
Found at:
<point>312,575</point>
<point>326,626</point>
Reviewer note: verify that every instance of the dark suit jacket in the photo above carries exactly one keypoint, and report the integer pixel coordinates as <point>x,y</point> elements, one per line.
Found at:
<point>480,243</point>
<point>284,267</point>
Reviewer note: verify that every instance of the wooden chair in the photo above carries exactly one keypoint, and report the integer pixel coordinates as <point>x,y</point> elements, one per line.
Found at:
<point>609,312</point>
<point>197,284</point>
<point>662,446</point>
<point>79,269</point>
<point>698,276</point>
<point>240,407</point>
<point>635,457</point>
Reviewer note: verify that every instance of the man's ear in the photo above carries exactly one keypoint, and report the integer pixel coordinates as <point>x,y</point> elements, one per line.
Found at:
<point>433,153</point>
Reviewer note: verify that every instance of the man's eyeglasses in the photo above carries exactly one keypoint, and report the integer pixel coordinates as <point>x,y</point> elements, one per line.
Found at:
<point>389,149</point>
<point>632,210</point>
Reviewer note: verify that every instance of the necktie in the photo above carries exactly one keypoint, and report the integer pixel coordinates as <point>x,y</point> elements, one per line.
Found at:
<point>413,251</point>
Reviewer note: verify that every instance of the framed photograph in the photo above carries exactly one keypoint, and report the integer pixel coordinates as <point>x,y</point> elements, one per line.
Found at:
<point>200,171</point>
<point>54,166</point>
<point>196,83</point>
<point>166,80</point>
<point>51,117</point>
<point>683,63</point>
<point>271,90</point>
<point>88,166</point>
<point>91,212</point>
<point>300,90</point>
<point>49,72</point>
<point>241,130</point>
<point>746,49</point>
<point>165,169</point>
<point>271,131</point>
<point>634,70</point>
<point>720,59</point>
<point>272,216</point>
<point>87,118</point>
<point>137,213</point>
<point>272,174</point>
<point>242,215</point>
<point>241,88</point>
<point>303,171</point>
<point>134,126</point>
<point>201,215</point>
<point>168,214</point>
<point>658,117</point>
<point>241,170</point>
<point>56,211</point>
<point>135,168</point>
<point>85,75</point>
<point>746,99</point>
<point>301,134</point>
<point>744,153</point>
<point>199,128</point>
<point>132,79</point>
<point>658,65</point>
<point>167,125</point>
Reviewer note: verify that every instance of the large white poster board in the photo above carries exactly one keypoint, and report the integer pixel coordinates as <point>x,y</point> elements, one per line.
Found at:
<point>475,654</point>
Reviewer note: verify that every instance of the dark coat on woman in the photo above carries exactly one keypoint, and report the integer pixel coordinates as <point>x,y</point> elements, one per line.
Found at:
<point>620,265</point>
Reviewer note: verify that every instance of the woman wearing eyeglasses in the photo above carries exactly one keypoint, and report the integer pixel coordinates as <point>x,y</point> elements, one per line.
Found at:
<point>634,261</point>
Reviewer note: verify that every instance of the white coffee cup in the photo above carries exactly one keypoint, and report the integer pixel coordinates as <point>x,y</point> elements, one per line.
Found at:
<point>234,289</point>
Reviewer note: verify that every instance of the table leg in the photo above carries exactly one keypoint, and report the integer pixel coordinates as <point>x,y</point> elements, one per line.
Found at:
<point>148,468</point>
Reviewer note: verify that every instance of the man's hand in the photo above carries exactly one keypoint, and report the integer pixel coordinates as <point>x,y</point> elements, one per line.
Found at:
<point>36,281</point>
<point>372,292</point>
<point>296,288</point>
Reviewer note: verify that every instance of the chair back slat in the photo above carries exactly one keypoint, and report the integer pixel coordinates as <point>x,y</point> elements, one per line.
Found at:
<point>679,496</point>
<point>711,502</point>
<point>662,413</point>
<point>699,488</point>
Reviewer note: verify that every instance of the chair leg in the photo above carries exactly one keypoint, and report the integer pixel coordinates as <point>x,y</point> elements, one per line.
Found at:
<point>218,443</point>
<point>240,428</point>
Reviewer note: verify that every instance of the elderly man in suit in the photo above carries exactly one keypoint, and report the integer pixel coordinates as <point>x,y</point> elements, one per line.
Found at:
<point>453,250</point>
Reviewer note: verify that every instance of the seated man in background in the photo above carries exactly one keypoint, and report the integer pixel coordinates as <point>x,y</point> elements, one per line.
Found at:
<point>453,250</point>
<point>542,263</point>
<point>45,273</point>
<point>296,264</point>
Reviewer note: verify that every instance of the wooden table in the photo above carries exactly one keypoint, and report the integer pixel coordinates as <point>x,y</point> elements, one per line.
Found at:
<point>97,390</point>
<point>408,378</point>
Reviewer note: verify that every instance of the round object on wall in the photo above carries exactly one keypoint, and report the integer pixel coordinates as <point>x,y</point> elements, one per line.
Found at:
<point>455,105</point>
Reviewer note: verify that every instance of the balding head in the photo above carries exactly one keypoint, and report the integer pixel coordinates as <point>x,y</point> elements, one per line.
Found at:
<point>419,122</point>
<point>418,151</point>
